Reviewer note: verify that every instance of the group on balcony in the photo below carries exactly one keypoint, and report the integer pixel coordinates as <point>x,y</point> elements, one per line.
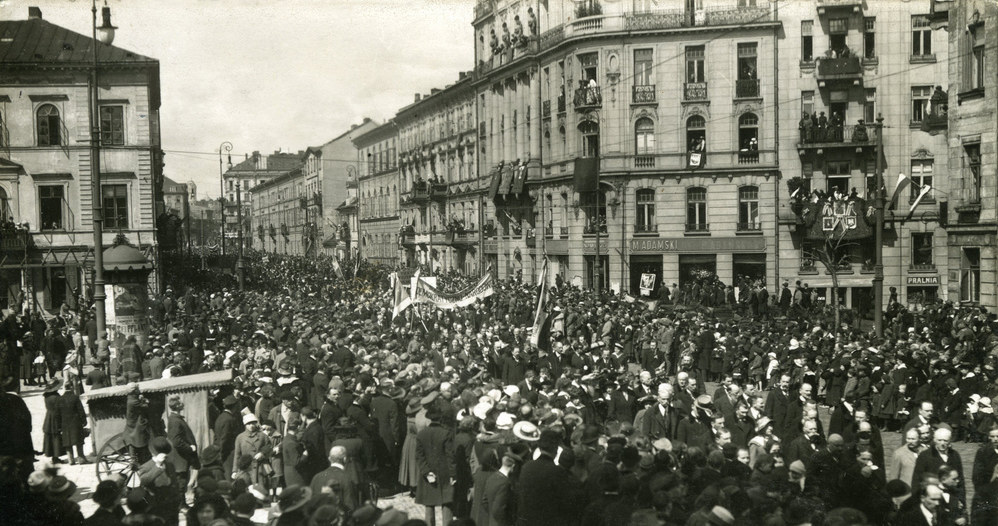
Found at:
<point>588,94</point>
<point>817,128</point>
<point>595,224</point>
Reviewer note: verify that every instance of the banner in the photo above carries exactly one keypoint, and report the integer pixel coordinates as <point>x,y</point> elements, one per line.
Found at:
<point>426,293</point>
<point>541,311</point>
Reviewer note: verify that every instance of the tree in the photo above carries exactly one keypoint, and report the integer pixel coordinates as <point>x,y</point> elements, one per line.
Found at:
<point>833,253</point>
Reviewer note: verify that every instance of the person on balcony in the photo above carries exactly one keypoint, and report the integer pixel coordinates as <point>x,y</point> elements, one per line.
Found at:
<point>822,133</point>
<point>805,128</point>
<point>859,134</point>
<point>835,127</point>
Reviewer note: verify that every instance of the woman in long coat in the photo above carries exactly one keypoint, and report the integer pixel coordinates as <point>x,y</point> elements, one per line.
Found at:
<point>408,468</point>
<point>437,467</point>
<point>74,419</point>
<point>52,426</point>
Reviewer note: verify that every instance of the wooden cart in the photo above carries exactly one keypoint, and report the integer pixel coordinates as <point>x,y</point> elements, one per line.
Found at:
<point>107,416</point>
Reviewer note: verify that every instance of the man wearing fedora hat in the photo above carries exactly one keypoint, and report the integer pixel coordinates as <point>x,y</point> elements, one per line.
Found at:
<point>291,504</point>
<point>226,429</point>
<point>497,500</point>
<point>695,429</point>
<point>107,495</point>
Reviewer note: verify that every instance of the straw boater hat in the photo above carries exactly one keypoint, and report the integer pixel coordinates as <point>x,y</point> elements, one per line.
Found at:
<point>526,431</point>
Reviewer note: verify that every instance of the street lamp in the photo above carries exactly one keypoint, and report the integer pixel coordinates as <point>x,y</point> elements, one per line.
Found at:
<point>105,35</point>
<point>240,274</point>
<point>227,146</point>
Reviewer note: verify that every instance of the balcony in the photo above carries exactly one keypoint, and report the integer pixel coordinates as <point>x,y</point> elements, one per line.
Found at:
<point>752,226</point>
<point>15,241</point>
<point>438,191</point>
<point>854,136</point>
<point>588,98</point>
<point>644,161</point>
<point>697,228</point>
<point>694,91</point>
<point>643,94</point>
<point>839,72</point>
<point>922,267</point>
<point>839,6</point>
<point>748,157</point>
<point>667,19</point>
<point>934,123</point>
<point>731,15</point>
<point>464,238</point>
<point>747,89</point>
<point>645,229</point>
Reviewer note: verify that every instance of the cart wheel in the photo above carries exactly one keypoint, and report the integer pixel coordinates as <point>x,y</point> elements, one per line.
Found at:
<point>113,459</point>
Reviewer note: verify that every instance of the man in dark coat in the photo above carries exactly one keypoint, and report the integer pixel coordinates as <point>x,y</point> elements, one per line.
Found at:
<point>227,427</point>
<point>313,440</point>
<point>777,402</point>
<point>928,503</point>
<point>184,455</point>
<point>984,466</point>
<point>825,471</point>
<point>337,478</point>
<point>16,442</point>
<point>385,413</point>
<point>661,420</point>
<point>497,501</point>
<point>137,431</point>
<point>695,430</point>
<point>791,426</point>
<point>549,495</point>
<point>929,461</point>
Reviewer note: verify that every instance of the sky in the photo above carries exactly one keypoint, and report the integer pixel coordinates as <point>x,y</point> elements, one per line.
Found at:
<point>276,74</point>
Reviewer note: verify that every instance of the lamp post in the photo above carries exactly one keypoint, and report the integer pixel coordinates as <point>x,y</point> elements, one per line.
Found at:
<point>227,146</point>
<point>105,35</point>
<point>878,249</point>
<point>240,274</point>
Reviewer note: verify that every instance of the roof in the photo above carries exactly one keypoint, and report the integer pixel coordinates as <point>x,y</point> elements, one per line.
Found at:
<point>38,40</point>
<point>125,257</point>
<point>167,385</point>
<point>276,162</point>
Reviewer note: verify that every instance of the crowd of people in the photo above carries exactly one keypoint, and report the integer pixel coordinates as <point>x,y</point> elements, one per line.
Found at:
<point>628,413</point>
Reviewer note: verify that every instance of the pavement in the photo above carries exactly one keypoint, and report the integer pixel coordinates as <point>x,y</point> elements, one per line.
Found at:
<point>85,476</point>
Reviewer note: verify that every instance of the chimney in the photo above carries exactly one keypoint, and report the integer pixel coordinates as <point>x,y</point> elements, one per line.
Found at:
<point>434,91</point>
<point>417,98</point>
<point>461,75</point>
<point>34,12</point>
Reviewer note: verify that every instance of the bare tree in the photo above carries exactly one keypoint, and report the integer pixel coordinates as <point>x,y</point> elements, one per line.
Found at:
<point>833,254</point>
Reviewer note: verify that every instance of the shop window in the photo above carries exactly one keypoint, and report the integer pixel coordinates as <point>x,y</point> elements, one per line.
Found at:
<point>921,251</point>
<point>922,295</point>
<point>115,197</point>
<point>970,274</point>
<point>51,204</point>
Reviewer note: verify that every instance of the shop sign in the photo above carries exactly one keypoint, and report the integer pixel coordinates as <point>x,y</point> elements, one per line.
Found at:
<point>557,247</point>
<point>589,246</point>
<point>490,246</point>
<point>923,280</point>
<point>697,245</point>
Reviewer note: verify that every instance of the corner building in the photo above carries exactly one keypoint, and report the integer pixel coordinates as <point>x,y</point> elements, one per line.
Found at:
<point>675,105</point>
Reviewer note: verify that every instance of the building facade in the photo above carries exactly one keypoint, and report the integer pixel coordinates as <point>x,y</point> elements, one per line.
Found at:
<point>378,194</point>
<point>972,131</point>
<point>440,188</point>
<point>45,159</point>
<point>338,176</point>
<point>277,215</point>
<point>254,170</point>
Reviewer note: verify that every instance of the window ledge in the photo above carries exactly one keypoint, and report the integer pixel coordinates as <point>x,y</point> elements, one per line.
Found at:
<point>843,272</point>
<point>807,64</point>
<point>867,271</point>
<point>915,125</point>
<point>974,94</point>
<point>698,234</point>
<point>871,61</point>
<point>968,208</point>
<point>747,99</point>
<point>748,232</point>
<point>808,272</point>
<point>922,59</point>
<point>646,234</point>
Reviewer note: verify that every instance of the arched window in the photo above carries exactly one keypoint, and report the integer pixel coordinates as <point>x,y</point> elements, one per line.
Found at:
<point>590,139</point>
<point>49,126</point>
<point>696,209</point>
<point>645,213</point>
<point>644,136</point>
<point>748,138</point>
<point>696,133</point>
<point>748,209</point>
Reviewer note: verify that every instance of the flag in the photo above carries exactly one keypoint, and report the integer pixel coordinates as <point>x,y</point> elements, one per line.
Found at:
<point>921,195</point>
<point>336,267</point>
<point>401,300</point>
<point>903,182</point>
<point>540,313</point>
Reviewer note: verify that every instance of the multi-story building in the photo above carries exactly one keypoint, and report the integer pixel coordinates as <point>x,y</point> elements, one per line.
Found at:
<point>277,215</point>
<point>672,107</point>
<point>338,176</point>
<point>440,190</point>
<point>45,159</point>
<point>378,187</point>
<point>853,61</point>
<point>970,246</point>
<point>251,172</point>
<point>173,221</point>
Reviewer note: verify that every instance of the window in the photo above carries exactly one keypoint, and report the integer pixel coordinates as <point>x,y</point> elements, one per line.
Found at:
<point>695,65</point>
<point>807,40</point>
<point>921,251</point>
<point>112,125</point>
<point>970,274</point>
<point>870,175</point>
<point>49,126</point>
<point>921,36</point>
<point>972,168</point>
<point>590,139</point>
<point>644,136</point>
<point>5,206</point>
<point>837,174</point>
<point>589,62</point>
<point>837,30</point>
<point>747,57</point>
<point>870,37</point>
<point>748,208</point>
<point>870,108</point>
<point>115,198</point>
<point>746,3</point>
<point>920,102</point>
<point>51,205</point>
<point>696,133</point>
<point>643,65</point>
<point>645,216</point>
<point>696,210</point>
<point>807,102</point>
<point>921,176</point>
<point>976,57</point>
<point>748,138</point>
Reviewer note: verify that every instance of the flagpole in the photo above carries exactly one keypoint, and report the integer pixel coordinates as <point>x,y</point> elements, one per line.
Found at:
<point>878,269</point>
